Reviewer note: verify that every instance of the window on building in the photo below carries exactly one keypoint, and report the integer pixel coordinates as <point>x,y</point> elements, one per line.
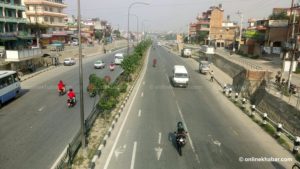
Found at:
<point>51,19</point>
<point>59,10</point>
<point>60,20</point>
<point>46,8</point>
<point>50,9</point>
<point>46,19</point>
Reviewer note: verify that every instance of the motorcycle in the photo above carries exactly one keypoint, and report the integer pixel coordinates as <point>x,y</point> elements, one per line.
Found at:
<point>71,102</point>
<point>154,63</point>
<point>180,141</point>
<point>293,89</point>
<point>111,67</point>
<point>92,94</point>
<point>61,92</point>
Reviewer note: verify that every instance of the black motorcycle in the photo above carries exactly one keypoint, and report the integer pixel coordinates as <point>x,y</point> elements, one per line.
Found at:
<point>61,92</point>
<point>71,102</point>
<point>180,141</point>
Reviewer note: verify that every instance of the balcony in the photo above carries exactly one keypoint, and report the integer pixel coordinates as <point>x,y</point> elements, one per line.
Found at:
<point>45,2</point>
<point>13,19</point>
<point>21,55</point>
<point>45,13</point>
<point>12,6</point>
<point>204,29</point>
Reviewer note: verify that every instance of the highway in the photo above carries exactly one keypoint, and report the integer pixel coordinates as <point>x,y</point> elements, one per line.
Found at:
<point>219,134</point>
<point>36,127</point>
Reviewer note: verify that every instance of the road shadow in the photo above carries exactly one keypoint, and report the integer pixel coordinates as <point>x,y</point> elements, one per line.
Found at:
<point>22,92</point>
<point>172,139</point>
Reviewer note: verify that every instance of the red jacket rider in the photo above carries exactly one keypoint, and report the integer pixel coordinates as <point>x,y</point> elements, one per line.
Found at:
<point>60,85</point>
<point>71,94</point>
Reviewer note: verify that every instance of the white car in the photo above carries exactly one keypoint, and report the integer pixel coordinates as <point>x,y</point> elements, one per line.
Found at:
<point>69,61</point>
<point>119,57</point>
<point>99,64</point>
<point>180,76</point>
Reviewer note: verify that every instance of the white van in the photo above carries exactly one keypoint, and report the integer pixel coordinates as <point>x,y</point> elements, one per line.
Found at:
<point>119,58</point>
<point>180,76</point>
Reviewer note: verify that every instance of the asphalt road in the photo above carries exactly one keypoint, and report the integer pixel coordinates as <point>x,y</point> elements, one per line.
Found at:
<point>220,135</point>
<point>36,127</point>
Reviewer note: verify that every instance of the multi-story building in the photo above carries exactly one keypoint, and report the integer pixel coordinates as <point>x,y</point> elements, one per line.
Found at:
<point>12,24</point>
<point>46,18</point>
<point>15,37</point>
<point>211,28</point>
<point>265,36</point>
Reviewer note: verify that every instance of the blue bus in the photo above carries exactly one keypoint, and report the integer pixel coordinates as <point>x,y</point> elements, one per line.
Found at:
<point>10,85</point>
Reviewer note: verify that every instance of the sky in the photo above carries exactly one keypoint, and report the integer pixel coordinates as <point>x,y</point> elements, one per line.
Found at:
<point>169,15</point>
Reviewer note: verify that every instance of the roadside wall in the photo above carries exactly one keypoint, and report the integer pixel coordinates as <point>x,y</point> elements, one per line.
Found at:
<point>278,110</point>
<point>230,68</point>
<point>251,84</point>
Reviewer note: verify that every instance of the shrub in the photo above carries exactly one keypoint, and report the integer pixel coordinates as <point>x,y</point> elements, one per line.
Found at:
<point>298,157</point>
<point>270,129</point>
<point>123,87</point>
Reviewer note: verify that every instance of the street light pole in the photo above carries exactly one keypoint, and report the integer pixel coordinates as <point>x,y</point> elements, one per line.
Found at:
<point>241,29</point>
<point>80,77</point>
<point>134,3</point>
<point>137,27</point>
<point>294,42</point>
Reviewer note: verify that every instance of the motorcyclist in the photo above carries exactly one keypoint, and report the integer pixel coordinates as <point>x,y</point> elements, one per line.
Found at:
<point>180,130</point>
<point>61,86</point>
<point>154,62</point>
<point>112,66</point>
<point>71,95</point>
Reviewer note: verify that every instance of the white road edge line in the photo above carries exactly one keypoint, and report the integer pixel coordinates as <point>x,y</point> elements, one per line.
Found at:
<point>189,136</point>
<point>133,156</point>
<point>125,119</point>
<point>159,137</point>
<point>142,94</point>
<point>140,112</point>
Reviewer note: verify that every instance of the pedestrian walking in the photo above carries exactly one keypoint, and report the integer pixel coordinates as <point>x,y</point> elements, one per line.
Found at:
<point>212,76</point>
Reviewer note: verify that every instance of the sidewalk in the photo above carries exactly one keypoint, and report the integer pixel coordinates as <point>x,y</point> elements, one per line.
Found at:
<point>71,52</point>
<point>272,64</point>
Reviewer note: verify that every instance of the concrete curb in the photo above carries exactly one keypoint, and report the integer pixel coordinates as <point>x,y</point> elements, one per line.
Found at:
<point>39,72</point>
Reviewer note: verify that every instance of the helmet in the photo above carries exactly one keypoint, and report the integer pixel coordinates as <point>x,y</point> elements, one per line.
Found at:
<point>180,125</point>
<point>60,81</point>
<point>70,89</point>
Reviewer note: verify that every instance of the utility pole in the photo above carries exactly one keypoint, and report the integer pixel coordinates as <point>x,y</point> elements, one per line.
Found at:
<point>241,28</point>
<point>80,77</point>
<point>294,42</point>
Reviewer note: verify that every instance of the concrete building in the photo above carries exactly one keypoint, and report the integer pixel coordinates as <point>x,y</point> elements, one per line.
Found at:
<point>46,19</point>
<point>212,29</point>
<point>15,37</point>
<point>265,36</point>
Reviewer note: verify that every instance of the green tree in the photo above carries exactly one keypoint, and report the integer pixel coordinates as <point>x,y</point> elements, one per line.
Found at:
<point>98,35</point>
<point>117,33</point>
<point>201,35</point>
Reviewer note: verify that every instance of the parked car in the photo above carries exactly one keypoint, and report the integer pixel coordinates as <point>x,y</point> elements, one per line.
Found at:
<point>57,46</point>
<point>204,67</point>
<point>75,43</point>
<point>69,61</point>
<point>99,64</point>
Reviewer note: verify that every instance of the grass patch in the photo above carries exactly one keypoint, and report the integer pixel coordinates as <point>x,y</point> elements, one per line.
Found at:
<point>269,129</point>
<point>283,143</point>
<point>297,70</point>
<point>91,153</point>
<point>297,157</point>
<point>78,160</point>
